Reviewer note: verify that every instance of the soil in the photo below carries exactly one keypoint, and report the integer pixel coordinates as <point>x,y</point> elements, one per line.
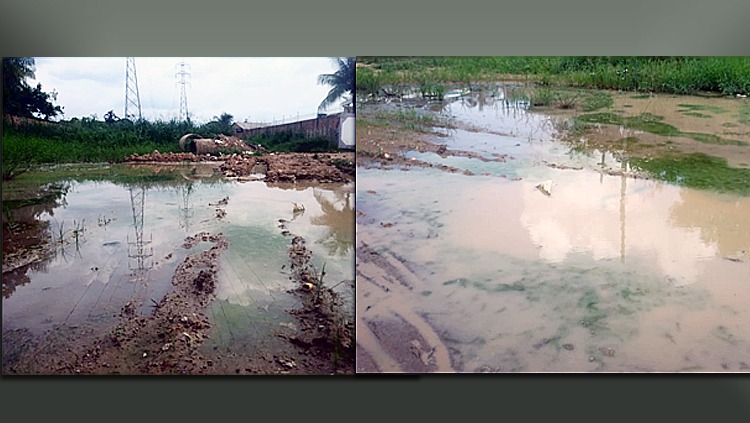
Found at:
<point>170,339</point>
<point>386,146</point>
<point>273,167</point>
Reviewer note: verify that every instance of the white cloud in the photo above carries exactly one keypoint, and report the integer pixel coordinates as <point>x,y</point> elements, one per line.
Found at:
<point>257,89</point>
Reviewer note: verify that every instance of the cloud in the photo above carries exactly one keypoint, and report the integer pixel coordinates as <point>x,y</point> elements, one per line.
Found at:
<point>255,89</point>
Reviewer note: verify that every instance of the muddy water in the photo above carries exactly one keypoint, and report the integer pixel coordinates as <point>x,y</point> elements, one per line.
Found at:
<point>490,274</point>
<point>132,242</point>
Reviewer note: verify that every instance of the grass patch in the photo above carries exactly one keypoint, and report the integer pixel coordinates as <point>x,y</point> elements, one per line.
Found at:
<point>648,122</point>
<point>697,170</point>
<point>410,119</point>
<point>696,114</point>
<point>597,100</point>
<point>700,107</point>
<point>21,152</point>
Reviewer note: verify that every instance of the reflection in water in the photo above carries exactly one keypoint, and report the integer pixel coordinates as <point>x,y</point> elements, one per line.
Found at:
<point>339,238</point>
<point>608,273</point>
<point>186,209</point>
<point>253,290</point>
<point>140,250</point>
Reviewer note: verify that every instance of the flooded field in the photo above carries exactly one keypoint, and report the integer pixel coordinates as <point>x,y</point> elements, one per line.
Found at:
<point>118,236</point>
<point>541,252</point>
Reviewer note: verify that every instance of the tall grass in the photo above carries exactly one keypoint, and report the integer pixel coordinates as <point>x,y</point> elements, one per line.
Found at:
<point>27,142</point>
<point>678,74</point>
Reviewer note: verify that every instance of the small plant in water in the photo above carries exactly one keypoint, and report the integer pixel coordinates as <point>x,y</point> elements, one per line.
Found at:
<point>78,230</point>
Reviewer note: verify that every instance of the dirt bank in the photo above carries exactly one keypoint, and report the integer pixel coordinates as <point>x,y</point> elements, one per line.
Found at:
<point>274,167</point>
<point>168,340</point>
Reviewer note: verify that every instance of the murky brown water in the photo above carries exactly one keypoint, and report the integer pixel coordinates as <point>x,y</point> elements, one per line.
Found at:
<point>132,243</point>
<point>608,273</point>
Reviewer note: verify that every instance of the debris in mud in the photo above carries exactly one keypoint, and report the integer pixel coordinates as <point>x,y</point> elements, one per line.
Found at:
<point>607,351</point>
<point>324,330</point>
<point>545,187</point>
<point>562,167</point>
<point>274,167</point>
<point>204,283</point>
<point>223,202</point>
<point>157,157</point>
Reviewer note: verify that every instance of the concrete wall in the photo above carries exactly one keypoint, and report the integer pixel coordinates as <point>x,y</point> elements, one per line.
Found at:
<point>326,127</point>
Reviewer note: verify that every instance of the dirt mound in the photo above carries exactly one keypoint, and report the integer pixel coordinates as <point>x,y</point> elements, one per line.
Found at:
<point>274,167</point>
<point>158,157</point>
<point>293,167</point>
<point>324,329</point>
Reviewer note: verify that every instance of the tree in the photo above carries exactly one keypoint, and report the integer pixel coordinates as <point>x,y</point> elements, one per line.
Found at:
<point>342,82</point>
<point>111,117</point>
<point>20,99</point>
<point>220,125</point>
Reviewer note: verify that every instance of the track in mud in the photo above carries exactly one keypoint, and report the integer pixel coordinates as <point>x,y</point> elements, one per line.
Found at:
<point>116,328</point>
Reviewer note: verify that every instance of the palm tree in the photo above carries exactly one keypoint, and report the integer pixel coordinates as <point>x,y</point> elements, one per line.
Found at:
<point>341,81</point>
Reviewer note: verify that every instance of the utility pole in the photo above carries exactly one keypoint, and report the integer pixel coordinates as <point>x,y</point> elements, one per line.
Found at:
<point>132,97</point>
<point>182,76</point>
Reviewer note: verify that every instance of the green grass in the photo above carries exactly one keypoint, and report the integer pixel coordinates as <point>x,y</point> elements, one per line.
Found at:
<point>20,152</point>
<point>697,170</point>
<point>696,114</point>
<point>679,74</point>
<point>699,107</point>
<point>648,122</point>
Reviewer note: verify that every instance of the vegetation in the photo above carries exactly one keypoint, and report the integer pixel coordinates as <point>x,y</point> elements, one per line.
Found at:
<point>648,122</point>
<point>341,82</point>
<point>20,99</point>
<point>697,170</point>
<point>679,74</point>
<point>30,138</point>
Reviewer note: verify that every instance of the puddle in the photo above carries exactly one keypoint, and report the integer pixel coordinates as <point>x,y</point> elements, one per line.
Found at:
<point>609,273</point>
<point>131,243</point>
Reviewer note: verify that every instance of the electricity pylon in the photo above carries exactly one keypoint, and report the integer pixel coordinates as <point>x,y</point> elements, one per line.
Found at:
<point>132,97</point>
<point>182,75</point>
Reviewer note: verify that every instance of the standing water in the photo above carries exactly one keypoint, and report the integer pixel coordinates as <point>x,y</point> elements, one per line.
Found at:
<point>117,240</point>
<point>556,259</point>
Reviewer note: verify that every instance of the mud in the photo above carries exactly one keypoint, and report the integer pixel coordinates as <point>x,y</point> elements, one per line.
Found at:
<point>722,116</point>
<point>380,146</point>
<point>292,167</point>
<point>273,167</point>
<point>392,337</point>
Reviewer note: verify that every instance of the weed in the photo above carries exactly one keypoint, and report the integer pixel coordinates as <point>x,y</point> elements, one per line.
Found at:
<point>697,170</point>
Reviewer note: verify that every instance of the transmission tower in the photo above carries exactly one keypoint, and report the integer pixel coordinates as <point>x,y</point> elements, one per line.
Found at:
<point>186,211</point>
<point>139,249</point>
<point>132,97</point>
<point>182,76</point>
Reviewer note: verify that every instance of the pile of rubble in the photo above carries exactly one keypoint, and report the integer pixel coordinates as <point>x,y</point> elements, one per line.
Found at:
<point>158,157</point>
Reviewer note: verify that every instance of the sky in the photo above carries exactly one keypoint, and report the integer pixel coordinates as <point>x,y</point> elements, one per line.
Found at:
<point>258,89</point>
